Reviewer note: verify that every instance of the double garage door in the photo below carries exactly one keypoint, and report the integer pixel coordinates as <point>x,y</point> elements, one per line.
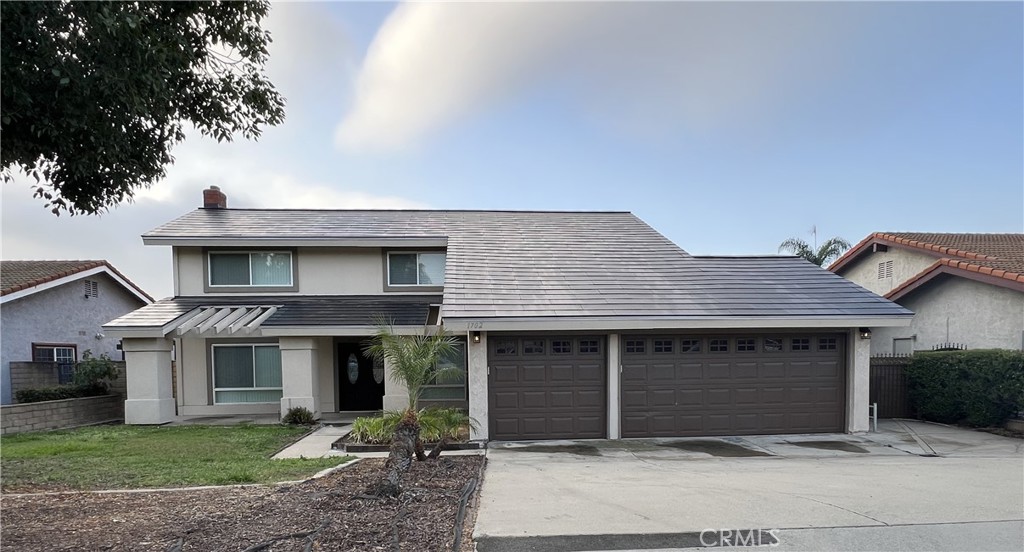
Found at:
<point>555,387</point>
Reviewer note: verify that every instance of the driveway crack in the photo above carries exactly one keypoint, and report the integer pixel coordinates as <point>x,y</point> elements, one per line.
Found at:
<point>838,507</point>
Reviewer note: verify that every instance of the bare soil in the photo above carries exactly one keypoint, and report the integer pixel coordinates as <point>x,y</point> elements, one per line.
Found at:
<point>322,514</point>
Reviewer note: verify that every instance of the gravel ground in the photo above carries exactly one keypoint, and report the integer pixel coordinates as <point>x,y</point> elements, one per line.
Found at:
<point>237,518</point>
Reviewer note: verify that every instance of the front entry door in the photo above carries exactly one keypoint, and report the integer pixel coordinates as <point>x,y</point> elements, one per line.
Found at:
<point>360,388</point>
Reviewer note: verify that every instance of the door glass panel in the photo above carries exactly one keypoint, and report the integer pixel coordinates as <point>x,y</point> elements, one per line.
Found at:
<point>353,368</point>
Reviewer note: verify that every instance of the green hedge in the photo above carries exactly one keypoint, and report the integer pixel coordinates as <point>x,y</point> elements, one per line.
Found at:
<point>60,392</point>
<point>982,388</point>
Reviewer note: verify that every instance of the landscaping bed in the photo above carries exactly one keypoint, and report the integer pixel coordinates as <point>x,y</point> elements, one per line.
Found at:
<point>346,445</point>
<point>237,518</point>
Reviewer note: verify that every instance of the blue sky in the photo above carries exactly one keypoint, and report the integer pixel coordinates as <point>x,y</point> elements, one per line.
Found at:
<point>728,127</point>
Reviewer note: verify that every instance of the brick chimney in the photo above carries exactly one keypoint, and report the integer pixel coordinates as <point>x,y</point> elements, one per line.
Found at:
<point>213,198</point>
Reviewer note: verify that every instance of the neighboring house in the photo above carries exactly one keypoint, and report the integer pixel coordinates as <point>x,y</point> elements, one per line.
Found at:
<point>965,289</point>
<point>53,311</point>
<point>577,324</point>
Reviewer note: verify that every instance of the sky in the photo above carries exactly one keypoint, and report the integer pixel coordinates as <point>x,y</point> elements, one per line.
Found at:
<point>728,127</point>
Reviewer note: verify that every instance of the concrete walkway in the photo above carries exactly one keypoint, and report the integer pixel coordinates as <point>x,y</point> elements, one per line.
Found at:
<point>640,494</point>
<point>316,444</point>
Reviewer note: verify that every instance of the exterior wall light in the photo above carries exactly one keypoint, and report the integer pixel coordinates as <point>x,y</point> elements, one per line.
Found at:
<point>476,337</point>
<point>864,333</point>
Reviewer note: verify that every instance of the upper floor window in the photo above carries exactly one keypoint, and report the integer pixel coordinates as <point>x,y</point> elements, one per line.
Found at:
<point>416,269</point>
<point>263,269</point>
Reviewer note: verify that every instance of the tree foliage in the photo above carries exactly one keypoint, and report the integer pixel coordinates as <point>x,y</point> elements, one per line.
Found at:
<point>415,360</point>
<point>829,250</point>
<point>95,94</point>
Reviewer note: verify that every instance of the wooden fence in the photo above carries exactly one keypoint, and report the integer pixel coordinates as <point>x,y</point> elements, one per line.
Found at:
<point>889,386</point>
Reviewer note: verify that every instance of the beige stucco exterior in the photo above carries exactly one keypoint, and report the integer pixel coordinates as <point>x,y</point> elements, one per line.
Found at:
<point>905,265</point>
<point>951,309</point>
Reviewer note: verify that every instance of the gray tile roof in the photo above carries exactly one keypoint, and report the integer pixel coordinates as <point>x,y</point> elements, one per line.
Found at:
<point>318,310</point>
<point>565,264</point>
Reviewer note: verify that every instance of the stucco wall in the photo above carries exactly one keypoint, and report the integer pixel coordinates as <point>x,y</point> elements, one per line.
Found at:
<point>61,315</point>
<point>981,316</point>
<point>905,265</point>
<point>321,271</point>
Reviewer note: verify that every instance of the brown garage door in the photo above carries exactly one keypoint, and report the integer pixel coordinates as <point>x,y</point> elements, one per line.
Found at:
<point>547,387</point>
<point>732,385</point>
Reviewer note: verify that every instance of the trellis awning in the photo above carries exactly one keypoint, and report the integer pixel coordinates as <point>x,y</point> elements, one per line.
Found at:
<point>213,321</point>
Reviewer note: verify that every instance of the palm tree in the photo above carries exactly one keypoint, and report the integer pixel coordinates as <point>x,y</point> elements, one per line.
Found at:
<point>822,255</point>
<point>414,361</point>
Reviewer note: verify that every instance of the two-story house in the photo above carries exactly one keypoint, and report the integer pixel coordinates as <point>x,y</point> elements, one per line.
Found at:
<point>966,290</point>
<point>576,324</point>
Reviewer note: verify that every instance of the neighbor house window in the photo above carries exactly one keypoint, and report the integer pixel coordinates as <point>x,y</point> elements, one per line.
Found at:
<point>263,269</point>
<point>62,354</point>
<point>416,269</point>
<point>452,385</point>
<point>246,374</point>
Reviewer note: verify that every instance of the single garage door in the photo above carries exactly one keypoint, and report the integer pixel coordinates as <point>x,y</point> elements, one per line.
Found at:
<point>547,387</point>
<point>733,385</point>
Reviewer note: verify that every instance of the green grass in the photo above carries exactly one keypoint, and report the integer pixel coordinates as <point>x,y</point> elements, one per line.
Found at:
<point>125,457</point>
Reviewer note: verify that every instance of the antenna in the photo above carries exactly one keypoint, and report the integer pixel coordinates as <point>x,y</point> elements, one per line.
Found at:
<point>814,232</point>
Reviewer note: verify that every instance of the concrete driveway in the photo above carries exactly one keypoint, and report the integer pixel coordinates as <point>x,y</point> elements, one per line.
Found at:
<point>911,486</point>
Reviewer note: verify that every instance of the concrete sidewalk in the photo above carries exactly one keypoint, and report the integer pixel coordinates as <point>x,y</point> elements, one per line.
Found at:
<point>630,488</point>
<point>316,444</point>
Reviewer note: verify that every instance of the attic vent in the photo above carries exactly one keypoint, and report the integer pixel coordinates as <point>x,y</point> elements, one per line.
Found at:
<point>92,289</point>
<point>885,269</point>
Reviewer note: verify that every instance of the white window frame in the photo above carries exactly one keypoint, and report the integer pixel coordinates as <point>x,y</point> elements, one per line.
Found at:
<point>417,253</point>
<point>252,349</point>
<point>53,347</point>
<point>209,269</point>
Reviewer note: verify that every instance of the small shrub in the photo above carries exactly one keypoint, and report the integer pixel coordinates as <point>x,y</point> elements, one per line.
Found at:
<point>435,424</point>
<point>982,388</point>
<point>98,371</point>
<point>298,415</point>
<point>376,430</point>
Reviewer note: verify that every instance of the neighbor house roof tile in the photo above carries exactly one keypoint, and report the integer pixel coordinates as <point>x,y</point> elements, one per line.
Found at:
<point>19,275</point>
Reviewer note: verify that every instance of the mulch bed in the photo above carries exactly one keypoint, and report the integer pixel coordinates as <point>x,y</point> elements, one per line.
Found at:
<point>237,518</point>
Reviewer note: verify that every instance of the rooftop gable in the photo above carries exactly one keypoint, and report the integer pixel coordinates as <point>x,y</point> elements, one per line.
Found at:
<point>21,278</point>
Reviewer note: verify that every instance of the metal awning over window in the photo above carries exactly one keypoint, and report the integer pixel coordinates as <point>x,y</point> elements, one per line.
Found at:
<point>228,320</point>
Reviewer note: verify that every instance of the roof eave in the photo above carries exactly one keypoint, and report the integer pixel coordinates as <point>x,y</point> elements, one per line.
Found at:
<point>611,324</point>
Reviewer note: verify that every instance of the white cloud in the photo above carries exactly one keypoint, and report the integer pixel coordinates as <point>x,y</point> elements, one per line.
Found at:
<point>641,65</point>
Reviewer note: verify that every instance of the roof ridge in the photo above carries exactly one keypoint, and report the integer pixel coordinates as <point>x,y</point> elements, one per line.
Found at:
<point>83,266</point>
<point>584,212</point>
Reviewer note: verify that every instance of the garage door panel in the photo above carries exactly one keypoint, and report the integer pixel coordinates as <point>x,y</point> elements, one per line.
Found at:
<point>744,370</point>
<point>545,387</point>
<point>534,399</point>
<point>690,397</point>
<point>734,390</point>
<point>561,373</point>
<point>661,372</point>
<point>534,374</point>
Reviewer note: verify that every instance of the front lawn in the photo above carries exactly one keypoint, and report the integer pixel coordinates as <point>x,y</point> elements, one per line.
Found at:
<point>124,457</point>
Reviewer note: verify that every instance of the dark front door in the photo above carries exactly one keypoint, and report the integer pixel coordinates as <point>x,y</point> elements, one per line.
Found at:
<point>361,388</point>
